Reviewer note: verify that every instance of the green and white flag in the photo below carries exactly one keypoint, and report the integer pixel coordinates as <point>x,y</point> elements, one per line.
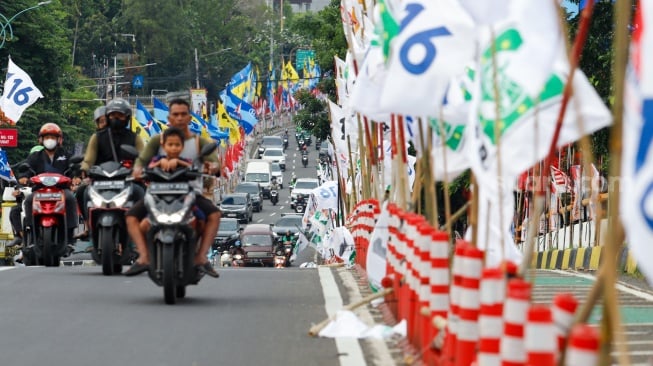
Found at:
<point>525,124</point>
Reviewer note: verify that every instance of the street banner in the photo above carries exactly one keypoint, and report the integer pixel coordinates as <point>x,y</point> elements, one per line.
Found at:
<point>19,93</point>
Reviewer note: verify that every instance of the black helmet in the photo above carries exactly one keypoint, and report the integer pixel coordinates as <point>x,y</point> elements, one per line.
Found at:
<point>119,105</point>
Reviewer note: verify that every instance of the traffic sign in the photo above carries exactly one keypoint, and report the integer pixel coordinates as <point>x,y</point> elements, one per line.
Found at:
<point>137,82</point>
<point>8,137</point>
<point>302,58</point>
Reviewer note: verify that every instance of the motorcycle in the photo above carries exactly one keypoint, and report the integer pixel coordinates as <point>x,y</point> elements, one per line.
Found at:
<point>233,257</point>
<point>108,201</point>
<point>300,143</point>
<point>171,239</point>
<point>300,204</point>
<point>305,160</point>
<point>45,233</point>
<point>274,196</point>
<point>285,143</point>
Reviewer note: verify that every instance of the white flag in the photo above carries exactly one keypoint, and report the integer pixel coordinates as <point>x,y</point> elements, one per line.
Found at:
<point>376,254</point>
<point>637,165</point>
<point>326,196</point>
<point>19,93</point>
<point>434,43</point>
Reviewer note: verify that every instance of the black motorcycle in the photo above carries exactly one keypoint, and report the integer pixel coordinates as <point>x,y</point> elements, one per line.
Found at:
<point>285,143</point>
<point>171,239</point>
<point>109,198</point>
<point>300,203</point>
<point>305,159</point>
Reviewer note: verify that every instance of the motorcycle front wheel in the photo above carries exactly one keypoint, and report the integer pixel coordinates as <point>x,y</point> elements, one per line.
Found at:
<point>169,272</point>
<point>49,237</point>
<point>105,242</point>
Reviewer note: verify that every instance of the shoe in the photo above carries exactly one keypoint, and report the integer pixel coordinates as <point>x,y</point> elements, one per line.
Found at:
<point>137,268</point>
<point>17,241</point>
<point>207,268</point>
<point>70,249</point>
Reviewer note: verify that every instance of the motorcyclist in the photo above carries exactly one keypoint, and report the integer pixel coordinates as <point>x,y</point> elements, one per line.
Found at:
<point>52,159</point>
<point>274,185</point>
<point>287,238</point>
<point>104,146</point>
<point>179,116</point>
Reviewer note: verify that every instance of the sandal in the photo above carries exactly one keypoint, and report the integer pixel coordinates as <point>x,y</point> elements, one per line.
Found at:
<point>207,268</point>
<point>137,268</point>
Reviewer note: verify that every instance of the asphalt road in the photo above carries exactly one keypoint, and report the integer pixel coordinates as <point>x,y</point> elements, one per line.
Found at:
<point>73,315</point>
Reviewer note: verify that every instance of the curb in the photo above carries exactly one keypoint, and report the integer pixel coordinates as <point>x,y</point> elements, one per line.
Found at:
<point>586,258</point>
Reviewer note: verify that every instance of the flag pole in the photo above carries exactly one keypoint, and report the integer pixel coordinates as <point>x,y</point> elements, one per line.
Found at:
<point>445,182</point>
<point>363,161</point>
<point>431,181</point>
<point>352,172</point>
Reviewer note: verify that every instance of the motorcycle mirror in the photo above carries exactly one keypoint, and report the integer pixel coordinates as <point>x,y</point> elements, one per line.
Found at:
<point>208,149</point>
<point>131,151</point>
<point>76,159</point>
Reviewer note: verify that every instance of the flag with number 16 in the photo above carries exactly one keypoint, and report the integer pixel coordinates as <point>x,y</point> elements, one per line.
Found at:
<point>19,93</point>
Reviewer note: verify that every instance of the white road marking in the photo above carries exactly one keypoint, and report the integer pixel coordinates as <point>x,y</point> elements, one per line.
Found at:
<point>272,214</point>
<point>627,289</point>
<point>282,207</point>
<point>349,350</point>
<point>6,268</point>
<point>259,221</point>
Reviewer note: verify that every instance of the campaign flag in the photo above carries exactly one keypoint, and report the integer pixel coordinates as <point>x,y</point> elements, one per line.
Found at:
<point>559,180</point>
<point>240,110</point>
<point>139,129</point>
<point>378,248</point>
<point>434,43</point>
<point>637,164</point>
<point>19,93</point>
<point>160,111</point>
<point>326,196</point>
<point>272,89</point>
<point>241,82</point>
<point>146,120</point>
<point>5,169</point>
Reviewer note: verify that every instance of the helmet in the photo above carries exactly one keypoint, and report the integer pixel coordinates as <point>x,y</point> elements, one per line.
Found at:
<point>99,112</point>
<point>119,105</point>
<point>51,129</point>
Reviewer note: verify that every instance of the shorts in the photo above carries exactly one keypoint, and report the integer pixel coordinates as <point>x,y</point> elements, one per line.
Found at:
<point>202,209</point>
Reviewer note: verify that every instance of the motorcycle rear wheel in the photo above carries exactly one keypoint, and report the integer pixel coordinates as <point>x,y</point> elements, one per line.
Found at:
<point>181,292</point>
<point>169,273</point>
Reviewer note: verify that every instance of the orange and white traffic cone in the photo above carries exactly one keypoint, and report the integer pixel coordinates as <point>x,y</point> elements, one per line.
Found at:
<point>540,338</point>
<point>454,296</point>
<point>469,307</point>
<point>583,346</point>
<point>490,322</point>
<point>439,290</point>
<point>392,262</point>
<point>564,308</point>
<point>512,349</point>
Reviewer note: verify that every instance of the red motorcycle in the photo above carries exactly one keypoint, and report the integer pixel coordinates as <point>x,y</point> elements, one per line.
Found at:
<point>46,235</point>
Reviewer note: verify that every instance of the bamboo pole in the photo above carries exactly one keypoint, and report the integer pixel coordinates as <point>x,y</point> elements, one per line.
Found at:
<point>445,182</point>
<point>365,187</point>
<point>611,324</point>
<point>353,172</point>
<point>431,183</point>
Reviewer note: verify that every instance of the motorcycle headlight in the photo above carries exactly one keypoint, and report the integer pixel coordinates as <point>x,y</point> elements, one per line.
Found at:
<point>184,214</point>
<point>238,257</point>
<point>118,200</point>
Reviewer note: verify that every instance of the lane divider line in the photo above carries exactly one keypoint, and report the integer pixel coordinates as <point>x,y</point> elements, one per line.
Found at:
<point>349,350</point>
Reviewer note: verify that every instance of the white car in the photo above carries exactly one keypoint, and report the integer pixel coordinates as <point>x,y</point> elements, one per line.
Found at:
<point>303,186</point>
<point>275,155</point>
<point>277,173</point>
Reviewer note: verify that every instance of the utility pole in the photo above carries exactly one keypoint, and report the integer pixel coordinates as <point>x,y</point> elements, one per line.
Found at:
<point>197,70</point>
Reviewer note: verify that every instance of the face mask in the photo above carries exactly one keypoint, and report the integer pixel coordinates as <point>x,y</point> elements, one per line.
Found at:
<point>50,144</point>
<point>117,123</point>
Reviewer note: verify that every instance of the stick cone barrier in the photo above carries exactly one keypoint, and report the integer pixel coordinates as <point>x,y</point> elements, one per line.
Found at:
<point>412,274</point>
<point>393,262</point>
<point>541,339</point>
<point>403,307</point>
<point>469,307</point>
<point>583,346</point>
<point>454,297</point>
<point>439,287</point>
<point>512,349</point>
<point>564,308</point>
<point>423,314</point>
<point>490,321</point>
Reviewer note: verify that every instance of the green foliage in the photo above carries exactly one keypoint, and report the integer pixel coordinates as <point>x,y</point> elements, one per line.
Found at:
<point>313,116</point>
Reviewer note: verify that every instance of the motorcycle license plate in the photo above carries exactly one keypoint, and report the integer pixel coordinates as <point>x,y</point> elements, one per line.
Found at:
<point>50,196</point>
<point>232,215</point>
<point>109,184</point>
<point>169,188</point>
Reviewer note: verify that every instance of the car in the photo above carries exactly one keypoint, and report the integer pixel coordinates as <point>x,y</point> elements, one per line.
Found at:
<point>303,186</point>
<point>269,141</point>
<point>287,222</point>
<point>238,206</point>
<point>275,155</point>
<point>258,241</point>
<point>228,229</point>
<point>276,173</point>
<point>255,193</point>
